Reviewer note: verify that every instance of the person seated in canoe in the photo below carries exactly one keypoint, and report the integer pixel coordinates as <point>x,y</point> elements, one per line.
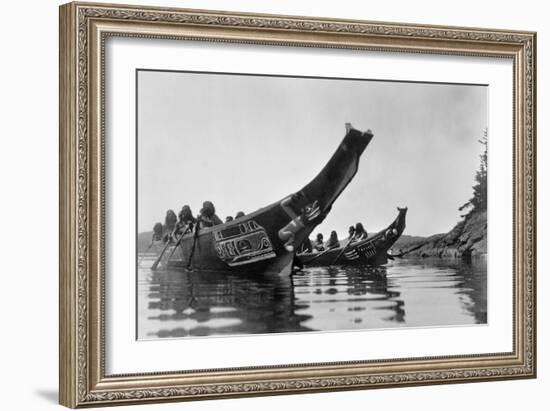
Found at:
<point>157,233</point>
<point>186,221</point>
<point>239,215</point>
<point>319,243</point>
<point>360,232</point>
<point>228,219</point>
<point>170,222</point>
<point>298,222</point>
<point>208,216</point>
<point>306,246</point>
<point>332,241</point>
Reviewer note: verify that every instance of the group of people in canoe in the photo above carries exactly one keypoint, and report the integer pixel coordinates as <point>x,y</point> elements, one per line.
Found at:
<point>355,234</point>
<point>185,222</point>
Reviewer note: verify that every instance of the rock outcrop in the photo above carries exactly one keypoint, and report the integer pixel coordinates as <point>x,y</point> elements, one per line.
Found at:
<point>467,239</point>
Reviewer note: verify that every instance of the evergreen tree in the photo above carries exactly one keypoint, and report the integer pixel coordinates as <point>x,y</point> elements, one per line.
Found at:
<point>479,200</point>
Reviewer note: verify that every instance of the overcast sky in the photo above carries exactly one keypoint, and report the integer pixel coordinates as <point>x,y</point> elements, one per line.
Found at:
<point>245,141</point>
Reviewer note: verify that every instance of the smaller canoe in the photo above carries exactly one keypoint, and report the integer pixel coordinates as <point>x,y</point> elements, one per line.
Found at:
<point>370,251</point>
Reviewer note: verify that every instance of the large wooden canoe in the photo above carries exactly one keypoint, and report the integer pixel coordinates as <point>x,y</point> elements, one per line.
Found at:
<point>251,243</point>
<point>371,251</point>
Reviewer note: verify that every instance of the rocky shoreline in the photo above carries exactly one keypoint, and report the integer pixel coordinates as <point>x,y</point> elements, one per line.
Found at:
<point>467,239</point>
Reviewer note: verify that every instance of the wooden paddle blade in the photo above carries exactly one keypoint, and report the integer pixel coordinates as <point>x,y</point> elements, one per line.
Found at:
<point>157,261</point>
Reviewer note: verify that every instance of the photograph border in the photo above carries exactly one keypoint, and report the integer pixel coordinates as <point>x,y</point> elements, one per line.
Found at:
<point>84,28</point>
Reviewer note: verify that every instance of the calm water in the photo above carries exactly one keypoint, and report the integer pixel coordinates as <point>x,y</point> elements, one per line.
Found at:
<point>405,293</point>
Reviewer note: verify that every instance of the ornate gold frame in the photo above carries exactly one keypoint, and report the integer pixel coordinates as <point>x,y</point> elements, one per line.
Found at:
<point>83,30</point>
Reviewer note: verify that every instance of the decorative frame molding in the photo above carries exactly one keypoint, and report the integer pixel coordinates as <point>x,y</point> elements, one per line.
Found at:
<point>83,30</point>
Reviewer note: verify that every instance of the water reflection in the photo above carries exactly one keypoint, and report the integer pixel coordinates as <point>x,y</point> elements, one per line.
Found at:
<point>180,304</point>
<point>404,293</point>
<point>343,298</point>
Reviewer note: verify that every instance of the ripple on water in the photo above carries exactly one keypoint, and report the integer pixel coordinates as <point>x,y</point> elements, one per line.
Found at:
<point>405,293</point>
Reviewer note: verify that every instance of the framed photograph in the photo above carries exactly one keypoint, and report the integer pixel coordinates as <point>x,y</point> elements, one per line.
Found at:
<point>260,204</point>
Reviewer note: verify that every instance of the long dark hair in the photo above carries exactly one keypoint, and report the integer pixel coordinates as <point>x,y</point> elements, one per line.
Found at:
<point>185,213</point>
<point>170,218</point>
<point>333,240</point>
<point>208,209</point>
<point>157,229</point>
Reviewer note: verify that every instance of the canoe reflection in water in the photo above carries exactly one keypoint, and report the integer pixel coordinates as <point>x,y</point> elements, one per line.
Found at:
<point>208,303</point>
<point>405,293</point>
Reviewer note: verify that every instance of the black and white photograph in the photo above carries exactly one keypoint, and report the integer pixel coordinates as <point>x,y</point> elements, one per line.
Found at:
<point>282,204</point>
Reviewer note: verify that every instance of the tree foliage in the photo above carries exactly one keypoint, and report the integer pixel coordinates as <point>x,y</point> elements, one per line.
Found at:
<point>478,202</point>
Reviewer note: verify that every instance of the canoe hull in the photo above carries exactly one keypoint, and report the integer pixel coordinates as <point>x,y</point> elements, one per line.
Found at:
<point>371,251</point>
<point>253,243</point>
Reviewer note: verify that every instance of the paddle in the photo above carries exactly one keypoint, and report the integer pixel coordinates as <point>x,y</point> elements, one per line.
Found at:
<point>145,252</point>
<point>195,236</point>
<point>157,261</point>
<point>343,249</point>
<point>178,242</point>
